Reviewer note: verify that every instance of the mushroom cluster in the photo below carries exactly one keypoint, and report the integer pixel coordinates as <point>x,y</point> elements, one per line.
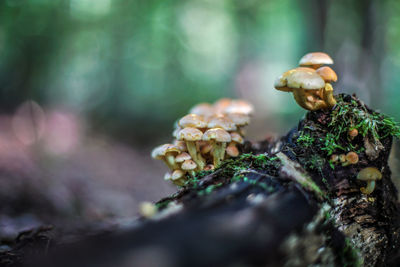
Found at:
<point>209,134</point>
<point>311,82</point>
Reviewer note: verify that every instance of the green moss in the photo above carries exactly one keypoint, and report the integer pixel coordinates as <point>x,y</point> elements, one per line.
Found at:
<point>333,138</point>
<point>230,171</point>
<point>305,139</point>
<point>350,255</point>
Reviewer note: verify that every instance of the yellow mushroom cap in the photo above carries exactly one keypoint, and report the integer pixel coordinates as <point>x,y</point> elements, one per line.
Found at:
<point>203,109</point>
<point>190,134</point>
<point>239,106</point>
<point>182,157</point>
<point>176,131</point>
<point>352,157</point>
<point>209,167</point>
<point>167,176</point>
<point>235,137</point>
<point>180,144</point>
<point>369,174</point>
<point>177,174</point>
<point>328,74</point>
<point>160,151</point>
<point>281,82</point>
<point>217,134</point>
<point>192,120</point>
<point>305,79</point>
<point>188,165</point>
<point>315,59</point>
<point>206,149</point>
<point>232,151</point>
<point>222,104</point>
<point>223,122</point>
<point>239,119</point>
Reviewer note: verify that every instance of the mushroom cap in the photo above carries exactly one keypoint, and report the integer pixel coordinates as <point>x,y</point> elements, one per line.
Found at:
<point>190,134</point>
<point>181,145</point>
<point>167,176</point>
<point>235,137</point>
<point>281,82</point>
<point>328,74</point>
<point>160,151</point>
<point>182,157</point>
<point>221,121</point>
<point>239,119</point>
<point>206,149</point>
<point>203,109</point>
<point>369,174</point>
<point>172,148</point>
<point>352,157</point>
<point>305,79</point>
<point>217,134</point>
<point>192,120</point>
<point>176,132</point>
<point>188,165</point>
<point>315,58</point>
<point>177,174</point>
<point>222,104</point>
<point>232,151</point>
<point>239,106</point>
<point>209,167</point>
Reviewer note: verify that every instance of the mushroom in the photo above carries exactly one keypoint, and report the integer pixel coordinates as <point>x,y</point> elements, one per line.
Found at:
<point>178,177</point>
<point>209,167</point>
<point>166,153</point>
<point>334,158</point>
<point>218,138</point>
<point>232,150</point>
<point>167,176</point>
<point>306,86</point>
<point>189,166</point>
<point>239,106</point>
<point>237,138</point>
<point>241,120</point>
<point>181,145</point>
<point>351,158</point>
<point>328,74</point>
<point>352,133</point>
<point>221,121</point>
<point>221,105</point>
<point>315,60</point>
<point>182,157</point>
<point>190,135</point>
<point>192,120</point>
<point>370,175</point>
<point>203,109</point>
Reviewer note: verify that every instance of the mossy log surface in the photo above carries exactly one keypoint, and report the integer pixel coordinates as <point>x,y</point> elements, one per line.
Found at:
<point>280,203</point>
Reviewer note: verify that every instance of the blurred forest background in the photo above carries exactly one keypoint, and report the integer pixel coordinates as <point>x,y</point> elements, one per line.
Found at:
<point>109,77</point>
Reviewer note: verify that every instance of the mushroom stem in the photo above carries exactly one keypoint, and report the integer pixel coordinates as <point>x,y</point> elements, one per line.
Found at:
<point>301,99</point>
<point>201,161</point>
<point>223,147</point>
<point>170,161</point>
<point>369,189</point>
<point>328,95</point>
<point>218,153</point>
<point>192,173</point>
<point>191,147</point>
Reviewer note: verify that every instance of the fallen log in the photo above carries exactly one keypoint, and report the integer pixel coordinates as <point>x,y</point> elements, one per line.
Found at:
<point>290,202</point>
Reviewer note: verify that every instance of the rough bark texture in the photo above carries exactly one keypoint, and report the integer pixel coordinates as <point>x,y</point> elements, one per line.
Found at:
<point>284,204</point>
